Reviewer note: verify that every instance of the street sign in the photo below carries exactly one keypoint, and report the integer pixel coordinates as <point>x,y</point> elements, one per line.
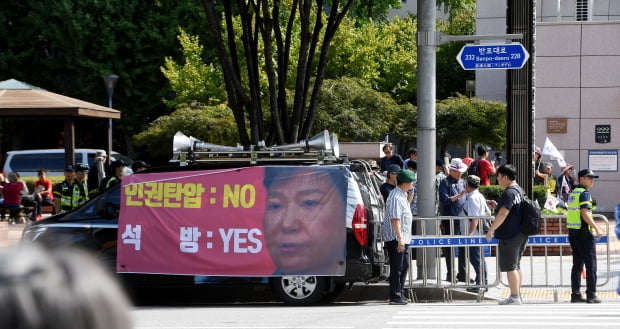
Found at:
<point>489,57</point>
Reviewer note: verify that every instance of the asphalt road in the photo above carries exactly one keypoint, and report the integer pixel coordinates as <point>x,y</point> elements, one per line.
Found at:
<point>379,315</point>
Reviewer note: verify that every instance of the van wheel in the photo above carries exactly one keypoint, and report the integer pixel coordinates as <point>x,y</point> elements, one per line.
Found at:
<point>300,290</point>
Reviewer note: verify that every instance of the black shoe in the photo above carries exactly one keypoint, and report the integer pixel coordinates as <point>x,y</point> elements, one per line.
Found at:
<point>462,279</point>
<point>398,301</point>
<point>477,290</point>
<point>576,298</point>
<point>593,300</point>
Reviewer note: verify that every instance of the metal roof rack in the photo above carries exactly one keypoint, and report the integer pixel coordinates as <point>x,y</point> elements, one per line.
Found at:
<point>318,149</point>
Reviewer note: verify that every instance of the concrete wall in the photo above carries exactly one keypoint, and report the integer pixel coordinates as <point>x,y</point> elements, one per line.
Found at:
<point>577,79</point>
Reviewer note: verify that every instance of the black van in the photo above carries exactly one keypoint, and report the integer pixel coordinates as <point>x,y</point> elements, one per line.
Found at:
<point>94,227</point>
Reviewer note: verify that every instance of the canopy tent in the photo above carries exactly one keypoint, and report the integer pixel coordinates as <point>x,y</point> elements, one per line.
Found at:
<point>19,99</point>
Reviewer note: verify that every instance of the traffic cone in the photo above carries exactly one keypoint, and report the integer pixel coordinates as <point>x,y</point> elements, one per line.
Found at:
<point>583,273</point>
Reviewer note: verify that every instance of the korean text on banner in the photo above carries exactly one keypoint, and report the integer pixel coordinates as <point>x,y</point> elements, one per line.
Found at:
<point>254,221</point>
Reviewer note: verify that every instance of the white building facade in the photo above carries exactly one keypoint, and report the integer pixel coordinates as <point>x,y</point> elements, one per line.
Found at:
<point>577,80</point>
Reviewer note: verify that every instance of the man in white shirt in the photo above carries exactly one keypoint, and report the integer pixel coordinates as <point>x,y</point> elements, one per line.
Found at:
<point>475,205</point>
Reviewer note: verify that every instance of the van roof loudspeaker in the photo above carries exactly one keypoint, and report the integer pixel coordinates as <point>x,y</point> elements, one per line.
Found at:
<point>317,143</point>
<point>333,139</point>
<point>183,143</point>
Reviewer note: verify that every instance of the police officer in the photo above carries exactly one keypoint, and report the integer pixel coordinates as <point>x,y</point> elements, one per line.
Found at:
<point>581,230</point>
<point>81,170</point>
<point>115,172</point>
<point>66,194</point>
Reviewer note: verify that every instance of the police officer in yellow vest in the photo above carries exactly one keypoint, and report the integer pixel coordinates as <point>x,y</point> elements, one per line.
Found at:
<point>581,231</point>
<point>67,193</point>
<point>81,172</point>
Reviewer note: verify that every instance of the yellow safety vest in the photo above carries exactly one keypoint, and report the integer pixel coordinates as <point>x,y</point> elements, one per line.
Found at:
<point>573,219</point>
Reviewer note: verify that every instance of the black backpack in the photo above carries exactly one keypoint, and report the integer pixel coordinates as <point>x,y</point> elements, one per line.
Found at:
<point>473,169</point>
<point>530,215</point>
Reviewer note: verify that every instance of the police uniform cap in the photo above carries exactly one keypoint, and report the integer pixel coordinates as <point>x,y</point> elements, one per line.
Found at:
<point>587,173</point>
<point>82,167</point>
<point>117,164</point>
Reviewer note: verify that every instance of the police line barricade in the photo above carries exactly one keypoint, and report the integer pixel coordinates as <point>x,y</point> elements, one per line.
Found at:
<point>550,246</point>
<point>429,236</point>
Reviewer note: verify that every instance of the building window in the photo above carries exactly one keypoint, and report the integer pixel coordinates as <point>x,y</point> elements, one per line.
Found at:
<point>582,10</point>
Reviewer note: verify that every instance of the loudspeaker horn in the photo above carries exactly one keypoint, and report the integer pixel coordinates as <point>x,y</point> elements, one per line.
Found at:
<point>333,139</point>
<point>183,143</point>
<point>318,142</point>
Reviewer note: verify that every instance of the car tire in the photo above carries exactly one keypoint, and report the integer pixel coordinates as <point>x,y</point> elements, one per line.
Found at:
<point>300,290</point>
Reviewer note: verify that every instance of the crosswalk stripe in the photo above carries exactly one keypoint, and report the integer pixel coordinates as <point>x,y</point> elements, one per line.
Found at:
<point>554,315</point>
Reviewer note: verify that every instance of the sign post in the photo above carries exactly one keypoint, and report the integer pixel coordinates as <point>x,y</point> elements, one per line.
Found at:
<point>493,56</point>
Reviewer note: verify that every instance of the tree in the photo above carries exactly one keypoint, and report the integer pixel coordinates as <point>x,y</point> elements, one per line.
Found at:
<point>450,75</point>
<point>270,25</point>
<point>355,111</point>
<point>211,124</point>
<point>383,56</point>
<point>461,118</point>
<point>365,11</point>
<point>65,46</point>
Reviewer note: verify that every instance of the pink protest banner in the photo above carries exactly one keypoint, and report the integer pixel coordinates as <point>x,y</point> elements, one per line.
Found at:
<point>254,221</point>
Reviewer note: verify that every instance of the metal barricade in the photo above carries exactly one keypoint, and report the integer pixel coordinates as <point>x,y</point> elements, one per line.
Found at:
<point>547,247</point>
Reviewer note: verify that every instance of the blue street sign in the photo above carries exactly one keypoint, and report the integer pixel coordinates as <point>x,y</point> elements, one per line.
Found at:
<point>489,57</point>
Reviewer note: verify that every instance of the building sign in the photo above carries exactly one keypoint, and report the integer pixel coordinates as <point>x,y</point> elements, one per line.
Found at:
<point>603,160</point>
<point>602,134</point>
<point>255,221</point>
<point>556,126</point>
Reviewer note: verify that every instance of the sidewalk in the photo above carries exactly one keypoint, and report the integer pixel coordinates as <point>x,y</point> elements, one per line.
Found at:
<point>545,279</point>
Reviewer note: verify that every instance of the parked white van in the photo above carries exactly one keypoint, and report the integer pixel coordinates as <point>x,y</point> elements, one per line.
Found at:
<point>27,162</point>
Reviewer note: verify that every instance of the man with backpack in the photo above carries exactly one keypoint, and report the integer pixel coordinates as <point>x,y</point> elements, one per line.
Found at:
<point>582,232</point>
<point>506,228</point>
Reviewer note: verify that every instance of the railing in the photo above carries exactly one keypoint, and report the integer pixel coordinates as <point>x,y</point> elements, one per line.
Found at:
<point>549,247</point>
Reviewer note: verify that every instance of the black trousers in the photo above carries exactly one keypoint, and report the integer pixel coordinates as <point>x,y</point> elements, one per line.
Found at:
<point>399,266</point>
<point>584,253</point>
<point>448,252</point>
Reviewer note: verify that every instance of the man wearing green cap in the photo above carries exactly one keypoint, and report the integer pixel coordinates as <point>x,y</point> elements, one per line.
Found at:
<point>396,232</point>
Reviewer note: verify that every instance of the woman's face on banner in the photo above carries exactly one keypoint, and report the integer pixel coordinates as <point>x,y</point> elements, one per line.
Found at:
<point>304,223</point>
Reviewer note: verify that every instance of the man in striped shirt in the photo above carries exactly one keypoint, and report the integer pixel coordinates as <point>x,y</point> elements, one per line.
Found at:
<point>396,233</point>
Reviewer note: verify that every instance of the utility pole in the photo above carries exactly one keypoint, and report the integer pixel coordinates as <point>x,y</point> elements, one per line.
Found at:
<point>427,131</point>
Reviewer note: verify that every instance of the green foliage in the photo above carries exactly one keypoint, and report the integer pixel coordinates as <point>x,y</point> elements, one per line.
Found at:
<point>491,192</point>
<point>382,56</point>
<point>194,81</point>
<point>65,46</point>
<point>211,124</point>
<point>355,111</point>
<point>365,11</point>
<point>460,118</point>
<point>450,75</point>
<point>494,192</point>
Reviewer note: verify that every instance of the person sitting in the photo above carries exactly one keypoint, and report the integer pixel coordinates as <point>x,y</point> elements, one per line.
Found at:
<point>43,193</point>
<point>12,196</point>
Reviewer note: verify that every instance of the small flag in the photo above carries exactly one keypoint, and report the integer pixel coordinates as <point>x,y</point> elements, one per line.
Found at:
<point>550,150</point>
<point>551,202</point>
